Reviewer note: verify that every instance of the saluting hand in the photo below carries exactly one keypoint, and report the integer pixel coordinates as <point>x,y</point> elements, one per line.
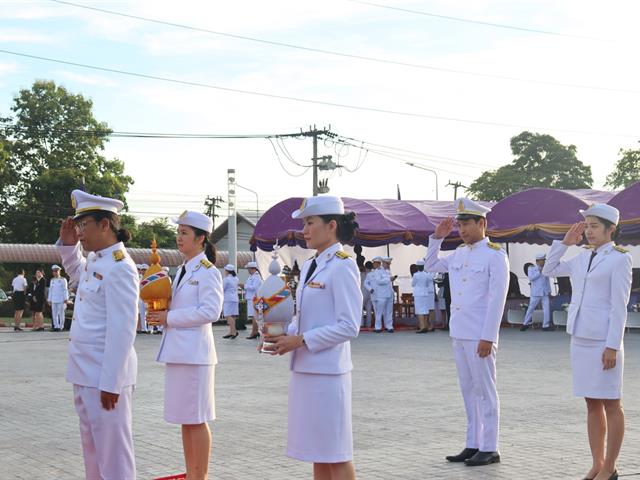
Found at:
<point>609,358</point>
<point>574,235</point>
<point>444,228</point>
<point>68,233</point>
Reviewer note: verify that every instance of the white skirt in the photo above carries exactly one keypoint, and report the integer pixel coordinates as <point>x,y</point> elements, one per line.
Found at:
<point>423,304</point>
<point>230,309</point>
<point>320,428</point>
<point>251,312</point>
<point>189,397</point>
<point>589,378</point>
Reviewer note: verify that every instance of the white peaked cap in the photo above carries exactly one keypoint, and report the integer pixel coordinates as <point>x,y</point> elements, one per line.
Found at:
<point>85,203</point>
<point>320,205</point>
<point>195,219</point>
<point>602,210</point>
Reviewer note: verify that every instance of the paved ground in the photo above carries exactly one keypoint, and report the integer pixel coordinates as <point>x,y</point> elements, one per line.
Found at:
<point>408,413</point>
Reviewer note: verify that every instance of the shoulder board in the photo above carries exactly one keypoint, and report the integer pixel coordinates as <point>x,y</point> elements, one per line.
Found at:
<point>495,246</point>
<point>588,247</point>
<point>620,249</point>
<point>118,255</point>
<point>342,254</point>
<point>206,263</point>
<point>462,245</point>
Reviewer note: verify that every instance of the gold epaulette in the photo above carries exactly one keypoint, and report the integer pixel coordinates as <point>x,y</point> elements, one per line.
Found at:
<point>342,254</point>
<point>620,249</point>
<point>495,246</point>
<point>462,245</point>
<point>118,255</point>
<point>588,247</point>
<point>206,263</point>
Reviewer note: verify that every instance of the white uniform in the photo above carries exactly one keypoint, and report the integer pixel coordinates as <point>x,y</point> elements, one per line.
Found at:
<point>102,357</point>
<point>230,285</point>
<point>329,314</point>
<point>383,298</point>
<point>479,279</point>
<point>367,299</point>
<point>540,291</point>
<point>423,292</point>
<point>58,296</point>
<point>251,286</point>
<point>597,314</point>
<point>187,345</point>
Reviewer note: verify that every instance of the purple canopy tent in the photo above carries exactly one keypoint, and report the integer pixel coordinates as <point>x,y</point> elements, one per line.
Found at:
<point>381,222</point>
<point>540,215</point>
<point>628,202</point>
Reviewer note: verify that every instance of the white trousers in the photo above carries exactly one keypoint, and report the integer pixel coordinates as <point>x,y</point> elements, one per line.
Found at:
<point>477,378</point>
<point>57,315</point>
<point>368,308</point>
<point>546,308</point>
<point>143,316</point>
<point>107,440</point>
<point>384,308</point>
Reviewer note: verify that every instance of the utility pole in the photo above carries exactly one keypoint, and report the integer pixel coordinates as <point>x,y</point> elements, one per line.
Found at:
<point>314,133</point>
<point>232,220</point>
<point>211,204</point>
<point>456,186</point>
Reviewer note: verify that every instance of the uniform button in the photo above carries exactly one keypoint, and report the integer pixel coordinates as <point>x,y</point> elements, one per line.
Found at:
<point>464,279</point>
<point>457,308</point>
<point>466,265</point>
<point>459,293</point>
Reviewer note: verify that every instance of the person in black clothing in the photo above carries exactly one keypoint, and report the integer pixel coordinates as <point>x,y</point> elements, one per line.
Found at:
<point>37,289</point>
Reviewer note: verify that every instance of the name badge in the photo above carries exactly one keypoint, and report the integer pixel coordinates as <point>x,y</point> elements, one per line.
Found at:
<point>97,275</point>
<point>315,285</point>
<point>193,282</point>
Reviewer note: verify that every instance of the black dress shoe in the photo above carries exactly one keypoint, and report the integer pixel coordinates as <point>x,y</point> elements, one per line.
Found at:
<point>389,330</point>
<point>614,475</point>
<point>377,331</point>
<point>550,328</point>
<point>253,336</point>
<point>422,330</point>
<point>17,329</point>
<point>524,328</point>
<point>483,458</point>
<point>463,455</point>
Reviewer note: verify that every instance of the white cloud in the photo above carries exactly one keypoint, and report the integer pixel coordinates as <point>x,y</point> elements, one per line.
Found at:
<point>86,79</point>
<point>18,35</point>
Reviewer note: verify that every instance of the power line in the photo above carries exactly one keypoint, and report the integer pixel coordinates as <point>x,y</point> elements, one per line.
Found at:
<point>475,22</point>
<point>311,101</point>
<point>282,165</point>
<point>361,57</point>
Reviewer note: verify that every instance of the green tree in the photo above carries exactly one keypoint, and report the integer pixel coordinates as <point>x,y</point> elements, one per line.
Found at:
<point>56,146</point>
<point>540,161</point>
<point>143,233</point>
<point>626,171</point>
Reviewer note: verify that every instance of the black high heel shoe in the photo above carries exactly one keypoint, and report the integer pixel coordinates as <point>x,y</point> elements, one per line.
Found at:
<point>253,336</point>
<point>233,337</point>
<point>228,335</point>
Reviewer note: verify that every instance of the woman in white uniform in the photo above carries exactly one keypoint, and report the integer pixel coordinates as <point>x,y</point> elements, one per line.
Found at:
<point>251,286</point>
<point>187,346</point>
<point>601,285</point>
<point>231,301</point>
<point>329,302</point>
<point>423,297</point>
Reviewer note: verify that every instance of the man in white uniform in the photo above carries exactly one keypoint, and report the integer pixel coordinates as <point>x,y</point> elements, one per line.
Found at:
<point>540,292</point>
<point>58,297</point>
<point>367,301</point>
<point>479,279</point>
<point>102,361</point>
<point>383,296</point>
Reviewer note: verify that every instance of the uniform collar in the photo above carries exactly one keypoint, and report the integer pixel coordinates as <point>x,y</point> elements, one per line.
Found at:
<point>194,262</point>
<point>480,242</point>
<point>325,256</point>
<point>605,247</point>
<point>107,251</point>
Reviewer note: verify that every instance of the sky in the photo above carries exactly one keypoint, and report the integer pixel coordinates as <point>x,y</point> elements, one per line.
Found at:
<point>563,67</point>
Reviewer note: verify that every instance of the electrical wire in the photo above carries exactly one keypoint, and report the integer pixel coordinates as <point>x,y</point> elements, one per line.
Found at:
<point>312,101</point>
<point>362,57</point>
<point>282,165</point>
<point>475,22</point>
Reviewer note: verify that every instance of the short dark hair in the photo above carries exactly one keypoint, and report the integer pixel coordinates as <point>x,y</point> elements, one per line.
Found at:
<point>368,264</point>
<point>346,225</point>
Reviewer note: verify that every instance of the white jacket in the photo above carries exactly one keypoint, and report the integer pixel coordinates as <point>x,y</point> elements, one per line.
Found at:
<point>479,279</point>
<point>329,314</point>
<point>105,316</point>
<point>598,309</point>
<point>58,290</point>
<point>196,303</point>
<point>540,285</point>
<point>251,286</point>
<point>230,286</point>
<point>422,284</point>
